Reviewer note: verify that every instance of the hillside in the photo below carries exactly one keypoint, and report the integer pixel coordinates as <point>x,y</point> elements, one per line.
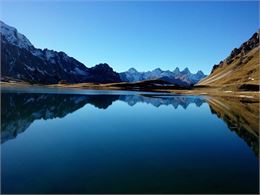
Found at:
<point>240,70</point>
<point>21,61</point>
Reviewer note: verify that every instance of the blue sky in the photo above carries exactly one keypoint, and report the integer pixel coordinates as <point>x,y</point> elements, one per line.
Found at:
<point>143,35</point>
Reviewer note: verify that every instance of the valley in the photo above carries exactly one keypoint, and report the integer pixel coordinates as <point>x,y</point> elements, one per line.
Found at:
<point>23,66</point>
<point>135,97</point>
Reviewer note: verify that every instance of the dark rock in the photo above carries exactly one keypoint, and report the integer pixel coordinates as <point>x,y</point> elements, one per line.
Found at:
<point>238,53</point>
<point>20,60</point>
<point>103,73</point>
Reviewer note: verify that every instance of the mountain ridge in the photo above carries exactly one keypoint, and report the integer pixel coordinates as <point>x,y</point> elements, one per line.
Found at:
<point>184,77</point>
<point>20,60</point>
<point>240,68</point>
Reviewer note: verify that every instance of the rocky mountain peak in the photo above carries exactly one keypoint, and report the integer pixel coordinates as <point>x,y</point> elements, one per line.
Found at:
<point>244,48</point>
<point>22,61</point>
<point>240,68</point>
<point>103,73</point>
<point>176,71</point>
<point>186,71</point>
<point>133,70</point>
<point>11,35</point>
<point>157,70</point>
<point>247,46</point>
<point>103,67</point>
<point>199,73</point>
<point>184,77</point>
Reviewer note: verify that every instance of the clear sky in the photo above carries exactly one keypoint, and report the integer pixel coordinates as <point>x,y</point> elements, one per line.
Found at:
<point>143,35</point>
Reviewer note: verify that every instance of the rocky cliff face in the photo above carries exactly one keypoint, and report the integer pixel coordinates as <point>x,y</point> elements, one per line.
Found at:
<point>240,67</point>
<point>20,60</point>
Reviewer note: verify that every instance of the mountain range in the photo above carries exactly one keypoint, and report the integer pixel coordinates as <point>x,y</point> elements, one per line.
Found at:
<point>184,77</point>
<point>21,61</point>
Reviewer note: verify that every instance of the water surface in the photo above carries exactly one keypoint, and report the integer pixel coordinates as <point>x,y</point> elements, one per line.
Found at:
<point>127,142</point>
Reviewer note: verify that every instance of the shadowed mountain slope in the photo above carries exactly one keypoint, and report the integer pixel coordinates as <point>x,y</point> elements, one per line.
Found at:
<point>21,61</point>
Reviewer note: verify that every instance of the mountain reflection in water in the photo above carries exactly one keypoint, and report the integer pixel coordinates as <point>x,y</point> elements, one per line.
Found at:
<point>241,116</point>
<point>19,110</point>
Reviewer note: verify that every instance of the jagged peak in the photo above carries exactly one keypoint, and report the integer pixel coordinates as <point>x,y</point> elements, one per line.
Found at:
<point>132,70</point>
<point>157,69</point>
<point>200,73</point>
<point>176,70</point>
<point>244,48</point>
<point>12,36</point>
<point>102,65</point>
<point>186,70</point>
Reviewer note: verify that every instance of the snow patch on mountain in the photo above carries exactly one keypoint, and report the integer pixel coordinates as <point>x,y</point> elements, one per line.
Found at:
<point>11,35</point>
<point>132,75</point>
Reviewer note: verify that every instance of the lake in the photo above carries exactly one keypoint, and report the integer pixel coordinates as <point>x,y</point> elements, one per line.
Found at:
<point>87,141</point>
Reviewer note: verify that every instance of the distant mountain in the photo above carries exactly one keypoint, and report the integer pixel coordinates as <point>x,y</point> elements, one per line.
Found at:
<point>20,60</point>
<point>103,73</point>
<point>176,76</point>
<point>240,69</point>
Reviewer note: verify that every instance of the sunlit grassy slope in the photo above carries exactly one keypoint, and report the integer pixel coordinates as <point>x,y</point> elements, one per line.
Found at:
<point>241,68</point>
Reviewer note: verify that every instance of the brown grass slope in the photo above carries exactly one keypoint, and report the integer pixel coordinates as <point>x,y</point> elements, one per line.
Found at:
<point>240,68</point>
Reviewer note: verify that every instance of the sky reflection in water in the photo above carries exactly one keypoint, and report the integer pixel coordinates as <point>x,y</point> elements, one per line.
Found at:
<point>127,143</point>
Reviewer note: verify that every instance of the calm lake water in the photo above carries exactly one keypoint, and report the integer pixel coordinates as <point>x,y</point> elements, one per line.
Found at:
<point>127,142</point>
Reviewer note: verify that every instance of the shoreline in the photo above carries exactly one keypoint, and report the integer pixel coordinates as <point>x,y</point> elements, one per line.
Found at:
<point>206,91</point>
